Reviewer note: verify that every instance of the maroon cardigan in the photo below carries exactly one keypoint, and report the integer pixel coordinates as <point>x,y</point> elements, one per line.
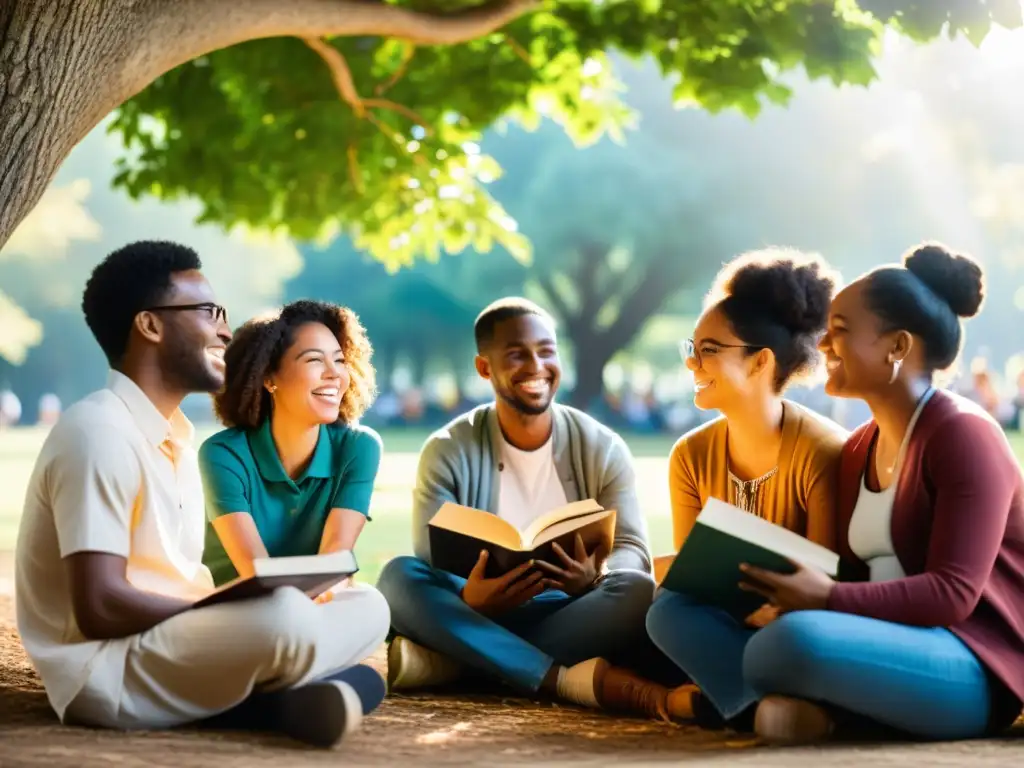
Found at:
<point>957,530</point>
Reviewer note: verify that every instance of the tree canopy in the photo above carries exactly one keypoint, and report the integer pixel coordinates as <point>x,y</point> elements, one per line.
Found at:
<point>379,137</point>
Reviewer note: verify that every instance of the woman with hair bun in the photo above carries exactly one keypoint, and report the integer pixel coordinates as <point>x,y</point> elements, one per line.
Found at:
<point>765,454</point>
<point>293,472</point>
<point>924,632</point>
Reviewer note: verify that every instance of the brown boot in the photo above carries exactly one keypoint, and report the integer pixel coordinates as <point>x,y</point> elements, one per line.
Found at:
<point>680,702</point>
<point>785,721</point>
<point>625,691</point>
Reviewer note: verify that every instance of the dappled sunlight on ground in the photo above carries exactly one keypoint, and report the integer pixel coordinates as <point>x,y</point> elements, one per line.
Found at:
<point>468,729</point>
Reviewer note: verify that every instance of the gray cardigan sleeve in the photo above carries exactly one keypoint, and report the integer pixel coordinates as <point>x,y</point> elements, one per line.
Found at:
<point>630,550</point>
<point>435,485</point>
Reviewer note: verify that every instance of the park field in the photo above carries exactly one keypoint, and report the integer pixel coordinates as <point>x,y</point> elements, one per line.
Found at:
<point>388,534</point>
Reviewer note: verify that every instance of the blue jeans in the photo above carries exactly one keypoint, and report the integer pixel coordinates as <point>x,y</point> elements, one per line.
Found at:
<point>922,681</point>
<point>522,645</point>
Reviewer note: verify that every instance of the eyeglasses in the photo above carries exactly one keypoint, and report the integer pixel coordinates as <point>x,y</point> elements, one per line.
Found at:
<point>688,349</point>
<point>216,312</point>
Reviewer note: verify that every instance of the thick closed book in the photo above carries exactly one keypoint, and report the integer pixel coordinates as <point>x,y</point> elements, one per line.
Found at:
<point>313,574</point>
<point>458,534</point>
<point>707,568</point>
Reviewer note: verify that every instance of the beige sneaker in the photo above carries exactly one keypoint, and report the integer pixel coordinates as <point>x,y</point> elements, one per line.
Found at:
<point>785,721</point>
<point>413,666</point>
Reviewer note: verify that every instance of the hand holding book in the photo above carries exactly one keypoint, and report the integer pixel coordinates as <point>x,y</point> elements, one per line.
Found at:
<point>578,575</point>
<point>805,589</point>
<point>791,571</point>
<point>492,597</point>
<point>457,534</point>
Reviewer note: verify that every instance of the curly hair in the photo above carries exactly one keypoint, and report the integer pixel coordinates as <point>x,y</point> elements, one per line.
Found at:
<point>126,282</point>
<point>778,299</point>
<point>256,350</point>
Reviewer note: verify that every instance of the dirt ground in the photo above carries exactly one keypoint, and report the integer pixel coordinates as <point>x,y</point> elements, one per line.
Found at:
<point>425,730</point>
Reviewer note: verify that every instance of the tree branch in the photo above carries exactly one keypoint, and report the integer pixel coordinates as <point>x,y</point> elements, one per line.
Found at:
<point>186,29</point>
<point>340,73</point>
<point>521,52</point>
<point>343,82</point>
<point>558,302</point>
<point>403,65</point>
<point>591,256</point>
<point>354,171</point>
<point>649,295</point>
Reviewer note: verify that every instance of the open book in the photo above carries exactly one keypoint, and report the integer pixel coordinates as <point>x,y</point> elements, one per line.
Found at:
<point>458,534</point>
<point>707,568</point>
<point>313,574</point>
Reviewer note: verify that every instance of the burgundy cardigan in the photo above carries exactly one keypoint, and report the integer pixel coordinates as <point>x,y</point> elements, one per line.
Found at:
<point>957,530</point>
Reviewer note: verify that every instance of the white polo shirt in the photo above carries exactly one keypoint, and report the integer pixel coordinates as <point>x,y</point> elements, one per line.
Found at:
<point>105,481</point>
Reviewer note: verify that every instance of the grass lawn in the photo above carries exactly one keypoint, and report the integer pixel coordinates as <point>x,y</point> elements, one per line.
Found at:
<point>388,534</point>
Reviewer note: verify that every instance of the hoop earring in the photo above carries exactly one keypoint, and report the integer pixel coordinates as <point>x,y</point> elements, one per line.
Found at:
<point>896,365</point>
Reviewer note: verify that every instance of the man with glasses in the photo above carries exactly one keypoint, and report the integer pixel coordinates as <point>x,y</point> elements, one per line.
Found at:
<point>109,554</point>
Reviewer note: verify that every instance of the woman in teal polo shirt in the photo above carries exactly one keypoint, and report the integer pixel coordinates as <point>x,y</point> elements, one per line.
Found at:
<point>293,472</point>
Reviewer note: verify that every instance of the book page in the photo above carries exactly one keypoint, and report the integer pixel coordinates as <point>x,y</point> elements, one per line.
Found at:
<point>565,526</point>
<point>568,512</point>
<point>755,530</point>
<point>343,562</point>
<point>478,524</point>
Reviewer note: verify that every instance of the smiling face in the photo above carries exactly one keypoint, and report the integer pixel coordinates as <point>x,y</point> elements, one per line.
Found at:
<point>311,378</point>
<point>192,341</point>
<point>858,356</point>
<point>522,363</point>
<point>725,370</point>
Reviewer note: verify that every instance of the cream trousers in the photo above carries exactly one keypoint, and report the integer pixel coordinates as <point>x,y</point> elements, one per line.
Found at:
<point>204,662</point>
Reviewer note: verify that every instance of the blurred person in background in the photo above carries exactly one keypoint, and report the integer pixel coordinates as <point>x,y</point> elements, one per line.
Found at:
<point>10,408</point>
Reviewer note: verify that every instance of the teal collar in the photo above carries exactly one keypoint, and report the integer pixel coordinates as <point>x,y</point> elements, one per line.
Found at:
<point>264,452</point>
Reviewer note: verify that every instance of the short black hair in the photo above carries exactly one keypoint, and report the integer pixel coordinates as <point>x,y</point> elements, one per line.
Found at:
<point>126,282</point>
<point>927,297</point>
<point>256,349</point>
<point>778,299</point>
<point>499,311</point>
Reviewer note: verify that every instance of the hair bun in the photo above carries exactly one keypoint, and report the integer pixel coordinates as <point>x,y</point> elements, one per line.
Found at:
<point>956,279</point>
<point>794,288</point>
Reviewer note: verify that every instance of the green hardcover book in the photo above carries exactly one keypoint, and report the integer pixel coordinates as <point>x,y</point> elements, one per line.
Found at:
<point>707,568</point>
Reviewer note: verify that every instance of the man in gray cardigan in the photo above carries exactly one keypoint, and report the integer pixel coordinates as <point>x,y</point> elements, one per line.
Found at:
<point>555,628</point>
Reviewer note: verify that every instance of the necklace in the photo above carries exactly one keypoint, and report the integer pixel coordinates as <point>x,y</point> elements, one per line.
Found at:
<point>910,428</point>
<point>746,491</point>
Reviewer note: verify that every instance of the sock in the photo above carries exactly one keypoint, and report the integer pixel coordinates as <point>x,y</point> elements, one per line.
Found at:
<point>578,683</point>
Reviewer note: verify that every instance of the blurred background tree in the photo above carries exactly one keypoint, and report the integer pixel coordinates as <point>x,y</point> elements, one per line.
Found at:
<point>599,157</point>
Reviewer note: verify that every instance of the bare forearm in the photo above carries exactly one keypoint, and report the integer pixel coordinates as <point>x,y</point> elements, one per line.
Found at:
<point>241,539</point>
<point>341,531</point>
<point>128,611</point>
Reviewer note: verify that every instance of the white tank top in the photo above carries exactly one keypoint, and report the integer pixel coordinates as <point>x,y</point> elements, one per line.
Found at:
<point>870,532</point>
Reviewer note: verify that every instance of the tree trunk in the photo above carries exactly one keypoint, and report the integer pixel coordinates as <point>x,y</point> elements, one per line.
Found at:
<point>595,347</point>
<point>419,361</point>
<point>592,354</point>
<point>61,67</point>
<point>65,64</point>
